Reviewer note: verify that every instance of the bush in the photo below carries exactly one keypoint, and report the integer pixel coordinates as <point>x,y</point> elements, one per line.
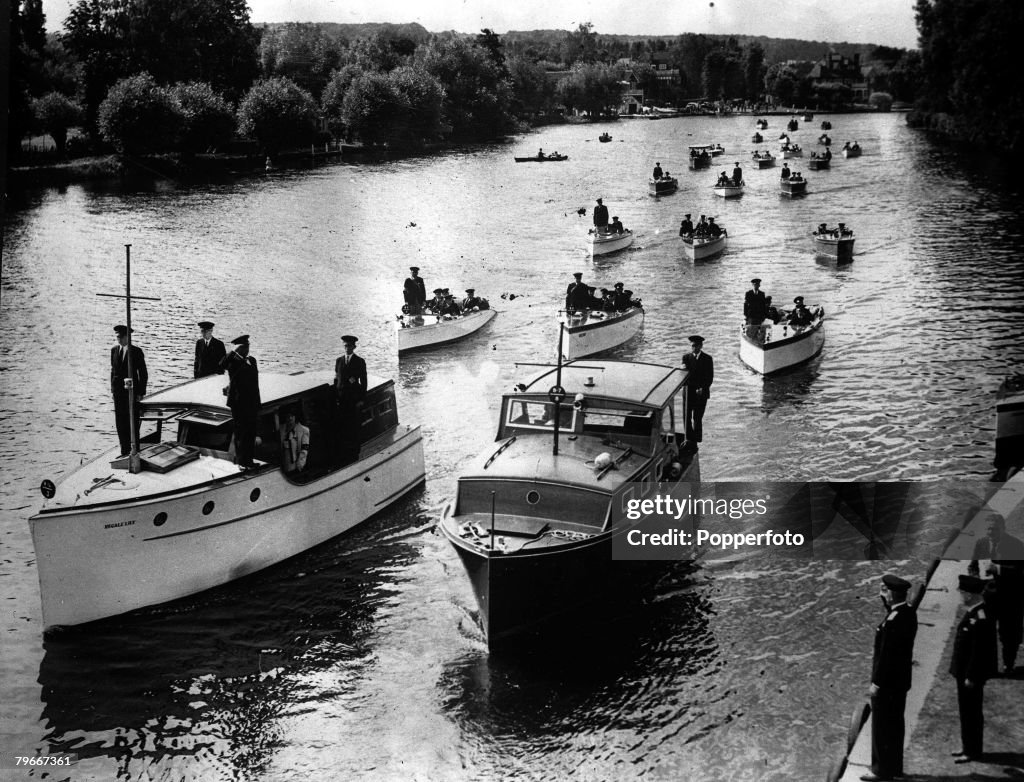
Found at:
<point>55,114</point>
<point>207,119</point>
<point>880,100</point>
<point>139,116</point>
<point>278,113</point>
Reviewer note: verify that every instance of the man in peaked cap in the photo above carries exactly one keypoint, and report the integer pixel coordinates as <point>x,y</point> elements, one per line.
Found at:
<point>890,679</point>
<point>800,316</point>
<point>437,302</point>
<point>472,301</point>
<point>209,352</point>
<point>755,305</point>
<point>974,663</point>
<point>414,292</point>
<point>686,226</point>
<point>243,398</point>
<point>601,217</point>
<point>119,380</point>
<point>700,374</point>
<point>349,392</point>
<point>577,294</point>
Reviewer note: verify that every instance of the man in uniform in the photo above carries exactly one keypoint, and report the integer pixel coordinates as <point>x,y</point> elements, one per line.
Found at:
<point>209,352</point>
<point>974,663</point>
<point>737,174</point>
<point>616,227</point>
<point>700,375</point>
<point>1003,557</point>
<point>755,305</point>
<point>436,303</point>
<point>414,292</point>
<point>577,295</point>
<point>890,679</point>
<point>785,171</point>
<point>349,392</point>
<point>119,374</point>
<point>714,229</point>
<point>243,399</point>
<point>686,226</point>
<point>657,172</point>
<point>472,301</point>
<point>294,443</point>
<point>800,316</point>
<point>601,217</point>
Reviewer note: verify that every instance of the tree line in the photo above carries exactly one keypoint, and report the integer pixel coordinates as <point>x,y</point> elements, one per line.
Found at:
<point>145,76</point>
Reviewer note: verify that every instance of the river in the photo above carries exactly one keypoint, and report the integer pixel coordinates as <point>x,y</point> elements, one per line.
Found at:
<point>362,659</point>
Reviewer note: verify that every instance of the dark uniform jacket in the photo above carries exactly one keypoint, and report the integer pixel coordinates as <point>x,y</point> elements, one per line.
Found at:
<point>208,358</point>
<point>350,379</point>
<point>974,647</point>
<point>119,370</point>
<point>701,372</point>
<point>755,305</point>
<point>686,228</point>
<point>415,291</point>
<point>244,390</point>
<point>577,296</point>
<point>600,216</point>
<point>894,649</point>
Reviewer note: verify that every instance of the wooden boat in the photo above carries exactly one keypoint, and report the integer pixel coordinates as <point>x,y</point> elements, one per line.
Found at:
<point>594,331</point>
<point>110,540</point>
<point>815,163</point>
<point>837,242</point>
<point>826,125</point>
<point>793,187</point>
<point>762,124</point>
<point>791,150</point>
<point>757,138</point>
<point>851,151</point>
<point>793,125</point>
<point>602,244</point>
<point>825,140</point>
<point>1009,426</point>
<point>698,162</point>
<point>712,149</point>
<point>542,159</point>
<point>604,138</point>
<point>763,159</point>
<point>808,117</point>
<point>664,186</point>
<point>538,513</point>
<point>730,190</point>
<point>427,331</point>
<point>697,248</point>
<point>773,347</point>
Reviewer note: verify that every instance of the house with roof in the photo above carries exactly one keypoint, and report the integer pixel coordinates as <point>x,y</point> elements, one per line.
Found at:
<point>837,68</point>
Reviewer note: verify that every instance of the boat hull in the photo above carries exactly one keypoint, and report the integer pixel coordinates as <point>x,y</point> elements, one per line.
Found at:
<point>699,249</point>
<point>1010,424</point>
<point>700,163</point>
<point>817,164</point>
<point>783,351</point>
<point>602,244</point>
<point>788,154</point>
<point>536,159</point>
<point>851,153</point>
<point>729,192</point>
<point>589,336</point>
<point>764,162</point>
<point>840,248</point>
<point>116,557</point>
<point>790,188</point>
<point>442,332</point>
<point>663,186</point>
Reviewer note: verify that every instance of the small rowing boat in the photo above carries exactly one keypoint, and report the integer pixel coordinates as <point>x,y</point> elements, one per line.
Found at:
<point>1009,426</point>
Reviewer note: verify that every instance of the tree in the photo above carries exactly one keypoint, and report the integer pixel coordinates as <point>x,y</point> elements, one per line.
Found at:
<point>300,52</point>
<point>580,45</point>
<point>781,82</point>
<point>753,71</point>
<point>27,40</point>
<point>138,116</point>
<point>595,89</point>
<point>371,107</point>
<point>56,114</point>
<point>278,113</point>
<point>421,97</point>
<point>532,92</point>
<point>207,120</point>
<point>880,100</point>
<point>332,103</point>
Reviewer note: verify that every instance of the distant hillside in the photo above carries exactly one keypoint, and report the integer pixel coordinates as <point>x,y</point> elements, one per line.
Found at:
<point>412,30</point>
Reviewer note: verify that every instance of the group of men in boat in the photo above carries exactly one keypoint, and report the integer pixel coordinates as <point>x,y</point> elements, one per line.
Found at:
<point>849,146</point>
<point>758,307</point>
<point>826,155</point>
<point>790,176</point>
<point>580,297</point>
<point>833,233</point>
<point>601,224</point>
<point>443,302</point>
<point>658,174</point>
<point>706,228</point>
<point>724,180</point>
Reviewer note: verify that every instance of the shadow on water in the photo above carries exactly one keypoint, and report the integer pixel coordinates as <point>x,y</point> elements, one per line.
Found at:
<point>210,676</point>
<point>790,386</point>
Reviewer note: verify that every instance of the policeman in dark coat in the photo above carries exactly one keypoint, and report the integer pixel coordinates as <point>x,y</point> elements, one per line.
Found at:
<point>118,375</point>
<point>737,174</point>
<point>437,302</point>
<point>414,292</point>
<point>243,398</point>
<point>700,375</point>
<point>209,352</point>
<point>601,217</point>
<point>686,226</point>
<point>349,391</point>
<point>755,306</point>
<point>800,316</point>
<point>890,679</point>
<point>974,663</point>
<point>1005,591</point>
<point>577,294</point>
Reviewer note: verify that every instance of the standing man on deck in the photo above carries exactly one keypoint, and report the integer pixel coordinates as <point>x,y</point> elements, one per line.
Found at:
<point>686,226</point>
<point>577,294</point>
<point>209,352</point>
<point>1002,556</point>
<point>890,679</point>
<point>974,663</point>
<point>349,392</point>
<point>755,305</point>
<point>601,217</point>
<point>737,174</point>
<point>658,173</point>
<point>243,394</point>
<point>415,292</point>
<point>700,375</point>
<point>119,380</point>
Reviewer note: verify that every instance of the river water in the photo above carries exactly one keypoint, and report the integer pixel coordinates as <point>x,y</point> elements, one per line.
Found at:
<point>362,659</point>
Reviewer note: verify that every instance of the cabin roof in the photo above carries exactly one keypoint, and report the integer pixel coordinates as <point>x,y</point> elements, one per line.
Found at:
<point>642,384</point>
<point>275,387</point>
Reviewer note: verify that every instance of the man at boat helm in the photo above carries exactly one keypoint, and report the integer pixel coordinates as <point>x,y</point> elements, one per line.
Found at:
<point>686,226</point>
<point>577,294</point>
<point>700,375</point>
<point>601,217</point>
<point>755,305</point>
<point>119,375</point>
<point>349,391</point>
<point>437,302</point>
<point>414,292</point>
<point>243,398</point>
<point>800,316</point>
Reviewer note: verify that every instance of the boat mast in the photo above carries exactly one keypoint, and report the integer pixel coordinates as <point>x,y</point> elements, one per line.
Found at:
<point>556,393</point>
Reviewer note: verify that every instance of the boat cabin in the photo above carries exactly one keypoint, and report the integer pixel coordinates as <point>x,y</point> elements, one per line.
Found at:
<point>205,426</point>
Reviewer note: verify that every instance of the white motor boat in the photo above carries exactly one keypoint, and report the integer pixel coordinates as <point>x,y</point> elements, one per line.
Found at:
<point>663,186</point>
<point>427,331</point>
<point>110,540</point>
<point>730,190</point>
<point>837,242</point>
<point>594,331</point>
<point>697,248</point>
<point>775,346</point>
<point>1009,426</point>
<point>602,244</point>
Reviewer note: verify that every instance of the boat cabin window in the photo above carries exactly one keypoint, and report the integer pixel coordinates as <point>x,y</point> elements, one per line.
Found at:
<point>537,414</point>
<point>633,427</point>
<point>204,430</point>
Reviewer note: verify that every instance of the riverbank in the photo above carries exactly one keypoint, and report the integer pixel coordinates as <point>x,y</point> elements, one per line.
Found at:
<point>932,721</point>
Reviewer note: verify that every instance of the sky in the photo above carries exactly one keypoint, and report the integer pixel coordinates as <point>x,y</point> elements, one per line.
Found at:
<point>887,22</point>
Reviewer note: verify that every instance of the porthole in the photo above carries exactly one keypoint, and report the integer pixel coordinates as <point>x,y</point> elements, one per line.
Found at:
<point>159,519</point>
<point>533,497</point>
<point>208,508</point>
<point>254,495</point>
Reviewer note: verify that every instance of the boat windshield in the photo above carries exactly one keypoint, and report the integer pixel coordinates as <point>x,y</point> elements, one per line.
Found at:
<point>536,414</point>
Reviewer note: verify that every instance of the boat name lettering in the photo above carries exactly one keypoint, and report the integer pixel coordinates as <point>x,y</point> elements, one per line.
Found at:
<point>113,524</point>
